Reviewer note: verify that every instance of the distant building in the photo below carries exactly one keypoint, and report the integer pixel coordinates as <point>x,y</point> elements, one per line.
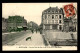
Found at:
<point>4,24</point>
<point>32,25</point>
<point>52,19</point>
<point>15,22</point>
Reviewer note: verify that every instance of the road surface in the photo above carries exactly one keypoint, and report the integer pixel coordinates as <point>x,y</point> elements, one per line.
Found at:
<point>36,40</point>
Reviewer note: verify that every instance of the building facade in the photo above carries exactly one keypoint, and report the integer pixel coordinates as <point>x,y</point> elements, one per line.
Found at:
<point>70,24</point>
<point>4,24</point>
<point>52,19</point>
<point>15,22</point>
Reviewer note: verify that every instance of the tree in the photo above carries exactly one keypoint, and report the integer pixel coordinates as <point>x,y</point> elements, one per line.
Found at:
<point>32,25</point>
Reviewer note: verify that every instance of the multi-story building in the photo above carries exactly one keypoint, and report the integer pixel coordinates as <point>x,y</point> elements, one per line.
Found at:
<point>4,24</point>
<point>15,22</point>
<point>52,18</point>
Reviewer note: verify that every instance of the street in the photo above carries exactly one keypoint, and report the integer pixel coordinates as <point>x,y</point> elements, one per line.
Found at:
<point>36,40</point>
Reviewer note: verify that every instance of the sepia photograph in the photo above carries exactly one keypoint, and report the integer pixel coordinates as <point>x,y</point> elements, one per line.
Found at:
<point>39,26</point>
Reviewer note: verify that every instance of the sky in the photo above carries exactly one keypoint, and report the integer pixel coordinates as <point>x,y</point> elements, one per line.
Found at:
<point>30,11</point>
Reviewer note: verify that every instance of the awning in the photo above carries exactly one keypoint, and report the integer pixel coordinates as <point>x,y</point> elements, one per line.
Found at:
<point>24,26</point>
<point>19,27</point>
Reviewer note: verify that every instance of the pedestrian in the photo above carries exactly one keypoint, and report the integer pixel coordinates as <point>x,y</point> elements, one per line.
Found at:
<point>40,31</point>
<point>36,30</point>
<point>72,35</point>
<point>32,30</point>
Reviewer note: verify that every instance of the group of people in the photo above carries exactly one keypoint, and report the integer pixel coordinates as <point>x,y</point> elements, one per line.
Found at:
<point>32,30</point>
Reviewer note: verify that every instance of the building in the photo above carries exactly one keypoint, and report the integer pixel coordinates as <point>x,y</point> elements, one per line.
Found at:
<point>4,25</point>
<point>70,24</point>
<point>52,19</point>
<point>15,22</point>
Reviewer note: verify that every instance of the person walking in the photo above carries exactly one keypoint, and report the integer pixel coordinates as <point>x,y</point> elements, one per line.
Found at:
<point>32,30</point>
<point>36,30</point>
<point>40,31</point>
<point>72,35</point>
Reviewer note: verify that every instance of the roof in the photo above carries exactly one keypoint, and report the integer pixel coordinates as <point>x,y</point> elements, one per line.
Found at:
<point>53,9</point>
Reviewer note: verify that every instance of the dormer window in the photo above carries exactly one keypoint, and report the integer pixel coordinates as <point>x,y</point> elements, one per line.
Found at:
<point>60,11</point>
<point>48,11</point>
<point>52,11</point>
<point>44,12</point>
<point>56,11</point>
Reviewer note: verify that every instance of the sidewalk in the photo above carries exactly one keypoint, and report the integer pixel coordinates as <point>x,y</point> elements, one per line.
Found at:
<point>59,35</point>
<point>8,33</point>
<point>12,32</point>
<point>62,38</point>
<point>36,40</point>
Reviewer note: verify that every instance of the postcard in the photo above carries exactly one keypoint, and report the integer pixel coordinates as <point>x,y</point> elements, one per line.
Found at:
<point>39,26</point>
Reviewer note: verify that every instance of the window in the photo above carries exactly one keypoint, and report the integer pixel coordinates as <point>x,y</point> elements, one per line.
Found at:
<point>47,21</point>
<point>59,21</point>
<point>47,26</point>
<point>60,27</point>
<point>48,16</point>
<point>44,21</point>
<point>52,21</point>
<point>56,11</point>
<point>52,16</point>
<point>44,12</point>
<point>56,16</point>
<point>44,17</point>
<point>48,11</point>
<point>59,16</point>
<point>60,11</point>
<point>56,21</point>
<point>52,11</point>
